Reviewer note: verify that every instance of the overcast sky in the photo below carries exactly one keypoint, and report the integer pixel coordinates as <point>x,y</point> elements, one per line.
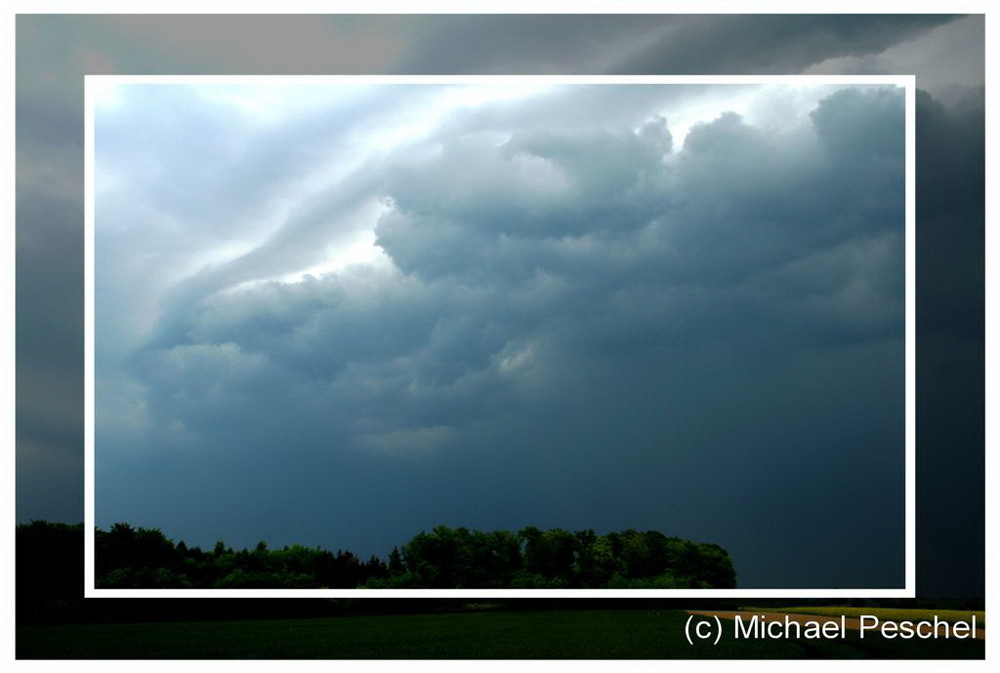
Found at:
<point>341,319</point>
<point>341,314</point>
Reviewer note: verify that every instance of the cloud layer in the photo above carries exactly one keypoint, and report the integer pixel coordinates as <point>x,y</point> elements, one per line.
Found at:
<point>578,312</point>
<point>55,51</point>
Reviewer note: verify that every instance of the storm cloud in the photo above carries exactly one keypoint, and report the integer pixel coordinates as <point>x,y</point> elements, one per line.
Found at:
<point>603,322</point>
<point>401,452</point>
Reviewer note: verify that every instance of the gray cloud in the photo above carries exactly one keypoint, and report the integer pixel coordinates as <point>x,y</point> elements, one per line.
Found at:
<point>53,53</point>
<point>569,309</point>
<point>947,60</point>
<point>661,44</point>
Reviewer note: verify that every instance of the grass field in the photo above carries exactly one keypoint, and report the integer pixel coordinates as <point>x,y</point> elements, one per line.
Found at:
<point>570,634</point>
<point>890,614</point>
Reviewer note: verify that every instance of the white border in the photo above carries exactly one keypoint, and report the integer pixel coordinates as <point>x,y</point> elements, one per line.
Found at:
<point>907,82</point>
<point>89,384</point>
<point>911,337</point>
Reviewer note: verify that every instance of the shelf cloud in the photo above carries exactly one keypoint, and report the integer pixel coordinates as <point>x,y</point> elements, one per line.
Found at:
<point>669,307</point>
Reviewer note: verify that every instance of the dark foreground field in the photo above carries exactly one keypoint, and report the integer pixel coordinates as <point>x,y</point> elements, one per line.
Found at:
<point>570,634</point>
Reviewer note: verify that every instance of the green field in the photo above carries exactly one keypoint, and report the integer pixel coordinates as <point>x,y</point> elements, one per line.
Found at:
<point>549,634</point>
<point>890,614</point>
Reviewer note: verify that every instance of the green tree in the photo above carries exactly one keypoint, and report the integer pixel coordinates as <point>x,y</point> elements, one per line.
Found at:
<point>396,566</point>
<point>596,563</point>
<point>550,554</point>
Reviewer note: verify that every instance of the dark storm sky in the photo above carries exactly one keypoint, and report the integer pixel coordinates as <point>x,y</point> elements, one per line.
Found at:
<point>569,321</point>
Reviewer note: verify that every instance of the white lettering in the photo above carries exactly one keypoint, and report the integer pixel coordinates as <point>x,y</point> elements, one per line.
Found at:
<point>867,623</point>
<point>748,631</point>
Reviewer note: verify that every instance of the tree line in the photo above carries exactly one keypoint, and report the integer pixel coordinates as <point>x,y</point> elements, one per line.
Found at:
<point>127,557</point>
<point>555,559</point>
<point>137,557</point>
